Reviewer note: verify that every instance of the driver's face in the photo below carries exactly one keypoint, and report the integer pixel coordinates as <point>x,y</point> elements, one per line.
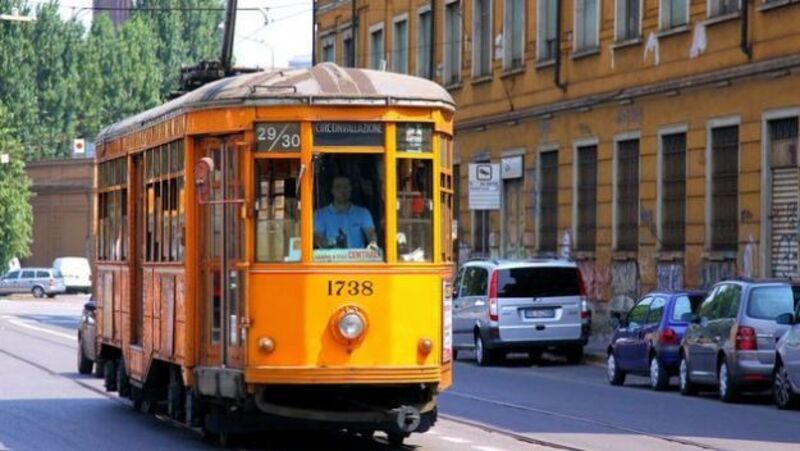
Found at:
<point>341,190</point>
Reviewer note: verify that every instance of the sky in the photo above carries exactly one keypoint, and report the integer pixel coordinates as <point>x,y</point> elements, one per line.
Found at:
<point>285,36</point>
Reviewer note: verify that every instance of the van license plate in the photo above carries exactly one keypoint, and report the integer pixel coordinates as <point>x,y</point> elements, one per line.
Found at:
<point>540,313</point>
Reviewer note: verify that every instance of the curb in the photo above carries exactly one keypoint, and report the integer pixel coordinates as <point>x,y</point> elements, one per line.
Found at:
<point>595,358</point>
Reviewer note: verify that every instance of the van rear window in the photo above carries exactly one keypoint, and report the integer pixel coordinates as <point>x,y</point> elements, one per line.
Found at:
<point>537,282</point>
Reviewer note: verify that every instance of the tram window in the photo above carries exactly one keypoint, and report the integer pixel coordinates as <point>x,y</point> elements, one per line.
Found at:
<point>414,210</point>
<point>349,202</point>
<point>277,210</point>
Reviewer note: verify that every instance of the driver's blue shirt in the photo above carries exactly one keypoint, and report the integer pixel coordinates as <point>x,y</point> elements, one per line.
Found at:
<point>353,223</point>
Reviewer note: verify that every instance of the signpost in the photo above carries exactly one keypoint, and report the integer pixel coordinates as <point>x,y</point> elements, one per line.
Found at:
<point>484,186</point>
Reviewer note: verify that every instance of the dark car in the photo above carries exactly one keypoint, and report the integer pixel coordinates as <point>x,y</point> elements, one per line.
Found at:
<point>87,348</point>
<point>646,340</point>
<point>731,342</point>
<point>786,385</point>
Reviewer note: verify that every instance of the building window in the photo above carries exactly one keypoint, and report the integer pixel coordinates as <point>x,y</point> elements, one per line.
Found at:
<point>424,44</point>
<point>627,193</point>
<point>376,53</point>
<point>514,35</point>
<point>587,198</point>
<point>329,49</point>
<point>586,25</point>
<point>674,14</point>
<point>548,201</point>
<point>400,46</point>
<point>628,23</point>
<point>348,54</point>
<point>546,30</point>
<point>673,196</point>
<point>452,43</point>
<point>722,7</point>
<point>724,188</point>
<point>482,38</point>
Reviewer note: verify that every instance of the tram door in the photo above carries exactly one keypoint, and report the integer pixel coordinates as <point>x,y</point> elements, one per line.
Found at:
<point>221,243</point>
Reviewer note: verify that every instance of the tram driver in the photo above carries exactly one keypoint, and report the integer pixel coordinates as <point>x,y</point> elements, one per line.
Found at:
<point>342,225</point>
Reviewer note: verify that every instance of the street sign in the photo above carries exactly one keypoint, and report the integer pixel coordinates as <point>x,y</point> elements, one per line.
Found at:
<point>511,167</point>
<point>484,186</point>
<point>79,146</point>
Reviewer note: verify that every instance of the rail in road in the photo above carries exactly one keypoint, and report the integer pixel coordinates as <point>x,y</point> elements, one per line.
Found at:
<point>38,345</point>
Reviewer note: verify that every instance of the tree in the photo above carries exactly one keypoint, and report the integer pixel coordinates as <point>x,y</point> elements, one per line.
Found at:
<point>16,215</point>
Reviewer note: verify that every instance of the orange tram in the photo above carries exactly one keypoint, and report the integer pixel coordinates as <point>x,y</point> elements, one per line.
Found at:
<point>274,250</point>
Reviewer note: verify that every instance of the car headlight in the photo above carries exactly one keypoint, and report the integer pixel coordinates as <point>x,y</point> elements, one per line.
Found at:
<point>349,324</point>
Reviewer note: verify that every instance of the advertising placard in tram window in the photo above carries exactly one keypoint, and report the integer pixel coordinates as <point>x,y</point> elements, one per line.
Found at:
<point>339,134</point>
<point>278,137</point>
<point>484,186</point>
<point>414,137</point>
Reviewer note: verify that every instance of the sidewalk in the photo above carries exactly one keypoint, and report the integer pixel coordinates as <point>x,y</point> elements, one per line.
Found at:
<point>595,350</point>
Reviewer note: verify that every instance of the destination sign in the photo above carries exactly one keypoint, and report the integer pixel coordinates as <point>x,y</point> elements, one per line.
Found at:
<point>278,136</point>
<point>360,134</point>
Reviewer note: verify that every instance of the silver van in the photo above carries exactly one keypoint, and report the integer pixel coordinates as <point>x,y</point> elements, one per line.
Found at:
<point>37,281</point>
<point>526,306</point>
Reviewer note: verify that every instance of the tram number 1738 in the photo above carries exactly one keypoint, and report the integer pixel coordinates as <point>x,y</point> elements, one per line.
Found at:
<point>350,288</point>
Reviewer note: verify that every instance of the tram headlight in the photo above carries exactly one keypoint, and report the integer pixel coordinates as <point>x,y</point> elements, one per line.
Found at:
<point>351,326</point>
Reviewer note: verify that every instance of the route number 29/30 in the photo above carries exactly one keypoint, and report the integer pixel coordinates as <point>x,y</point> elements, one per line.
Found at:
<point>350,288</point>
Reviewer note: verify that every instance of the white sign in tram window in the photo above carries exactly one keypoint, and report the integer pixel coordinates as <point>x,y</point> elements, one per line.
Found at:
<point>484,186</point>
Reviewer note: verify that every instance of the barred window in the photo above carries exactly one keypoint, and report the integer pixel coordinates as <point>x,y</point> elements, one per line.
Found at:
<point>548,201</point>
<point>673,196</point>
<point>587,198</point>
<point>627,195</point>
<point>724,188</point>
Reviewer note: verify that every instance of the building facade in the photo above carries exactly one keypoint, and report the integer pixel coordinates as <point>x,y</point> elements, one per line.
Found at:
<point>652,141</point>
<point>62,209</point>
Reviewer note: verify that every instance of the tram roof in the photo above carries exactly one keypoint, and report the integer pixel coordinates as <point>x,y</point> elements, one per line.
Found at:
<point>323,84</point>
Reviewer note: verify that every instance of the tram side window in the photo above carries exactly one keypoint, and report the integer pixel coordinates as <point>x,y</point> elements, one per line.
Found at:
<point>277,210</point>
<point>349,205</point>
<point>112,209</point>
<point>165,210</point>
<point>414,210</point>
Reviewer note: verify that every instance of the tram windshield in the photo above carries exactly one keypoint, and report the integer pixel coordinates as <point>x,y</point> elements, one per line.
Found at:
<point>349,206</point>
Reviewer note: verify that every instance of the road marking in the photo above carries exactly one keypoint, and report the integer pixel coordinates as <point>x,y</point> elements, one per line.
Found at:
<point>19,323</point>
<point>487,448</point>
<point>460,441</point>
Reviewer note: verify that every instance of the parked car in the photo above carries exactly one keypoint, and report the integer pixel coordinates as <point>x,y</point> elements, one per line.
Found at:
<point>528,306</point>
<point>77,273</point>
<point>731,343</point>
<point>646,340</point>
<point>87,343</point>
<point>37,281</point>
<point>786,379</point>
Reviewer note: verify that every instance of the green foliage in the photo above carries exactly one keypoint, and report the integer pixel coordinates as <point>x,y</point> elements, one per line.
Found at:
<point>59,81</point>
<point>16,215</point>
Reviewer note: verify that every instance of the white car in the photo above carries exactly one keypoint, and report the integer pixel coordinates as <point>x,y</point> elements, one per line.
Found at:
<point>77,273</point>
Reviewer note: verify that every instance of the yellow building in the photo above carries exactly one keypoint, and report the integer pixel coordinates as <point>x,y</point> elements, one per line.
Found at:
<point>653,141</point>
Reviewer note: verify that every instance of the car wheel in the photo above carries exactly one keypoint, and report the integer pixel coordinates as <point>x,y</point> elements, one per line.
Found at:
<point>727,392</point>
<point>659,379</point>
<point>574,355</point>
<point>483,356</point>
<point>782,389</point>
<point>615,375</point>
<point>38,292</point>
<point>687,387</point>
<point>84,364</point>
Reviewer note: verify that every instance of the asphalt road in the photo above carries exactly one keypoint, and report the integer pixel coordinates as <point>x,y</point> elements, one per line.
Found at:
<point>46,405</point>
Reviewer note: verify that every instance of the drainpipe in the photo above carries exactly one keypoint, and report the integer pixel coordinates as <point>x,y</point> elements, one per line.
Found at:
<point>745,44</point>
<point>431,62</point>
<point>557,69</point>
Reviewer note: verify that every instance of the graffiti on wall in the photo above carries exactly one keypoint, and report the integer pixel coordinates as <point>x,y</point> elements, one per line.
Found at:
<point>669,275</point>
<point>712,272</point>
<point>624,284</point>
<point>595,279</point>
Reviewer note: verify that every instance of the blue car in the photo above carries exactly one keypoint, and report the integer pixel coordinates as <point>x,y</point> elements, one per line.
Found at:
<point>647,339</point>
